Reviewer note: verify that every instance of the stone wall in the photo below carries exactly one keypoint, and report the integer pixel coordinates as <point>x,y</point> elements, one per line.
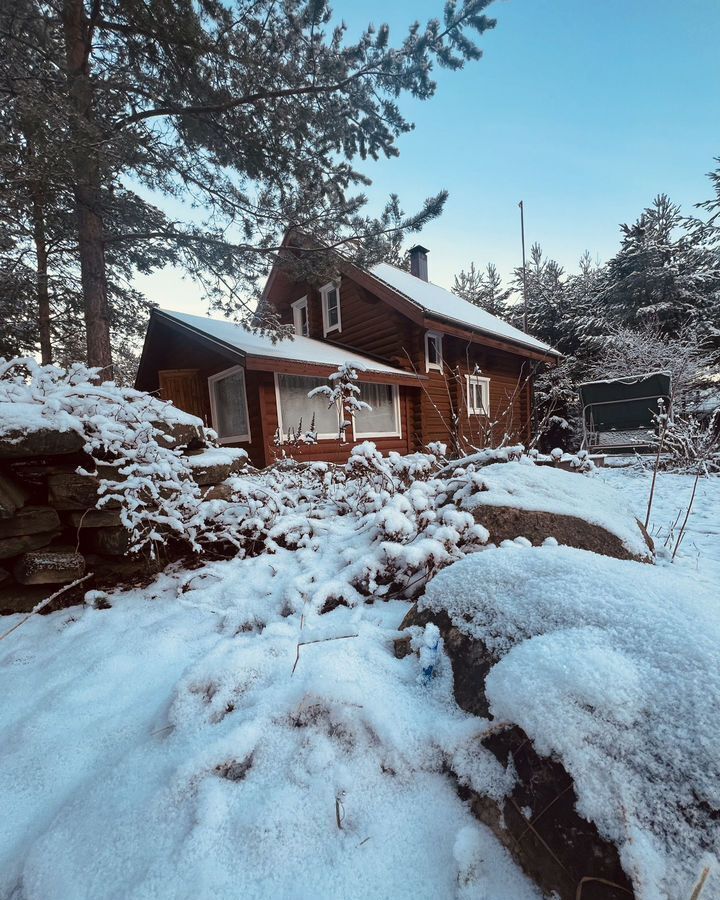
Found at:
<point>51,534</point>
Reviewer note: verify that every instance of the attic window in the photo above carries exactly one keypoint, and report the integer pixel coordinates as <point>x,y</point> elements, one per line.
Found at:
<point>300,317</point>
<point>478,395</point>
<point>228,404</point>
<point>330,296</point>
<point>433,351</point>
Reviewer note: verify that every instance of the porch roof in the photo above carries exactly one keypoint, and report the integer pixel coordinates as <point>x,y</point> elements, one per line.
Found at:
<point>299,355</point>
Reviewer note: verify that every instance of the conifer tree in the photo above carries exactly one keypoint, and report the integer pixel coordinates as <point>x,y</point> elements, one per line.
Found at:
<point>251,114</point>
<point>483,289</point>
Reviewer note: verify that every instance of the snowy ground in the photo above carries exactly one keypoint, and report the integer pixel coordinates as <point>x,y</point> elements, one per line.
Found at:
<point>166,749</point>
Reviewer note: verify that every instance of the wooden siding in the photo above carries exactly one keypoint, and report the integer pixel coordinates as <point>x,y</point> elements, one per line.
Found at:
<point>379,331</point>
<point>169,345</point>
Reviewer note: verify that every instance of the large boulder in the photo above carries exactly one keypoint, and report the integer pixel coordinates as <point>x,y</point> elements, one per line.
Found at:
<point>71,491</point>
<point>30,520</point>
<point>520,499</point>
<point>14,546</point>
<point>43,442</point>
<point>12,497</point>
<point>537,821</point>
<point>178,434</point>
<point>215,464</point>
<point>582,663</point>
<point>107,541</point>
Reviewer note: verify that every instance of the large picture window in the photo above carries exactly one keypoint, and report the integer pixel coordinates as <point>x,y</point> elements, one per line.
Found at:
<point>295,407</point>
<point>228,403</point>
<point>384,417</point>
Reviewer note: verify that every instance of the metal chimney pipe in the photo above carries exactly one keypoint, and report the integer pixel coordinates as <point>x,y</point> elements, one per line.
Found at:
<point>418,262</point>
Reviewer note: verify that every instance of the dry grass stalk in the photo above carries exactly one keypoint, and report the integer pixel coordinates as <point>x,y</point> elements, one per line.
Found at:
<point>43,603</point>
<point>701,884</point>
<point>341,637</point>
<point>687,516</point>
<point>663,429</point>
<point>587,880</point>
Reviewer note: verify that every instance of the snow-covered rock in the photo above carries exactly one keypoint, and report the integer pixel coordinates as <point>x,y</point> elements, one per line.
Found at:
<point>609,667</point>
<point>521,499</point>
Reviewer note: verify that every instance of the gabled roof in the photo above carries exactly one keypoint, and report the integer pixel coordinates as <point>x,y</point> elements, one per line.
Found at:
<point>262,354</point>
<point>439,303</point>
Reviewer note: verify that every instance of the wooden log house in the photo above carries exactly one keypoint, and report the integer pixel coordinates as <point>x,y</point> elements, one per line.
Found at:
<point>432,366</point>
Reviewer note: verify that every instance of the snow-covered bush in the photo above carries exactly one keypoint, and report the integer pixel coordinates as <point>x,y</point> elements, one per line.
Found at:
<point>691,445</point>
<point>123,430</point>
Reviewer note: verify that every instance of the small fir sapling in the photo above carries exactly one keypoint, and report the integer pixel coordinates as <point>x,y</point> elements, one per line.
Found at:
<point>344,395</point>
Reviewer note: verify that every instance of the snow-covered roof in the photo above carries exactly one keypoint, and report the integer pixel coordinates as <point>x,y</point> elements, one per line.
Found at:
<point>441,303</point>
<point>298,349</point>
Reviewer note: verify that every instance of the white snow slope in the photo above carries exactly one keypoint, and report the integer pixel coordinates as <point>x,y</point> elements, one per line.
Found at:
<point>164,748</point>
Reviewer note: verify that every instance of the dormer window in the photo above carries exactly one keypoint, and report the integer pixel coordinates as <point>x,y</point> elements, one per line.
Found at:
<point>433,351</point>
<point>300,317</point>
<point>330,296</point>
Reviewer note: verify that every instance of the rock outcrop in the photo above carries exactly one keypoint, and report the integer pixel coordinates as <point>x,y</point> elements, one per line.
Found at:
<point>48,509</point>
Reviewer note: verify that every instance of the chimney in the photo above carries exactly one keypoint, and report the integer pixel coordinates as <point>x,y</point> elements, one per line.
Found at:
<point>418,262</point>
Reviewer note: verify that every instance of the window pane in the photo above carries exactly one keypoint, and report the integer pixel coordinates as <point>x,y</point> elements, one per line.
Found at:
<point>230,405</point>
<point>382,419</point>
<point>332,307</point>
<point>433,350</point>
<point>295,405</point>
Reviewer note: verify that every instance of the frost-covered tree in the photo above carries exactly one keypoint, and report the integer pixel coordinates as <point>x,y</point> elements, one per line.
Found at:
<point>664,272</point>
<point>344,395</point>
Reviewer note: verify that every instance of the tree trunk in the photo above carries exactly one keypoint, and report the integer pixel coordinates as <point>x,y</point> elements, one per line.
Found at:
<point>78,37</point>
<point>43,294</point>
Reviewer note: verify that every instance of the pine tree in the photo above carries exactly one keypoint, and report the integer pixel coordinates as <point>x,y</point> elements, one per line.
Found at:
<point>251,113</point>
<point>483,289</point>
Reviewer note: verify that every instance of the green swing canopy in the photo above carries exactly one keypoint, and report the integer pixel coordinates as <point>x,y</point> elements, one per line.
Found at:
<point>619,411</point>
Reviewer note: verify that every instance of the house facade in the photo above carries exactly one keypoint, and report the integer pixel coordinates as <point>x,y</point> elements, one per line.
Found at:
<point>431,366</point>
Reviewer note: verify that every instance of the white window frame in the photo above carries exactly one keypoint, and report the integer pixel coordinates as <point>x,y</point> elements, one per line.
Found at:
<point>297,306</point>
<point>383,434</point>
<point>324,291</point>
<point>483,383</point>
<point>437,336</point>
<point>320,436</point>
<point>219,376</point>
<point>334,436</point>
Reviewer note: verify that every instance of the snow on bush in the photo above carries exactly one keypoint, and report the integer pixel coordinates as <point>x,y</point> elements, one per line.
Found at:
<point>610,666</point>
<point>127,431</point>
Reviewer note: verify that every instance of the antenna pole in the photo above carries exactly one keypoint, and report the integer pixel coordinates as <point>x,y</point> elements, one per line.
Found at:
<point>522,232</point>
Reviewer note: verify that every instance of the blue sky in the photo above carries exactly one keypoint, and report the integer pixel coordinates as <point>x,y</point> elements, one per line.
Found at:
<point>584,109</point>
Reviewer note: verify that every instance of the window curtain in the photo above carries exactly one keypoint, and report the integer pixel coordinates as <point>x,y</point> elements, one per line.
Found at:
<point>296,405</point>
<point>382,418</point>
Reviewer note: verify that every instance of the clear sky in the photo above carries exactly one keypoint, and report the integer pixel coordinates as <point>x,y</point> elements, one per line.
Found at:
<point>584,109</point>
